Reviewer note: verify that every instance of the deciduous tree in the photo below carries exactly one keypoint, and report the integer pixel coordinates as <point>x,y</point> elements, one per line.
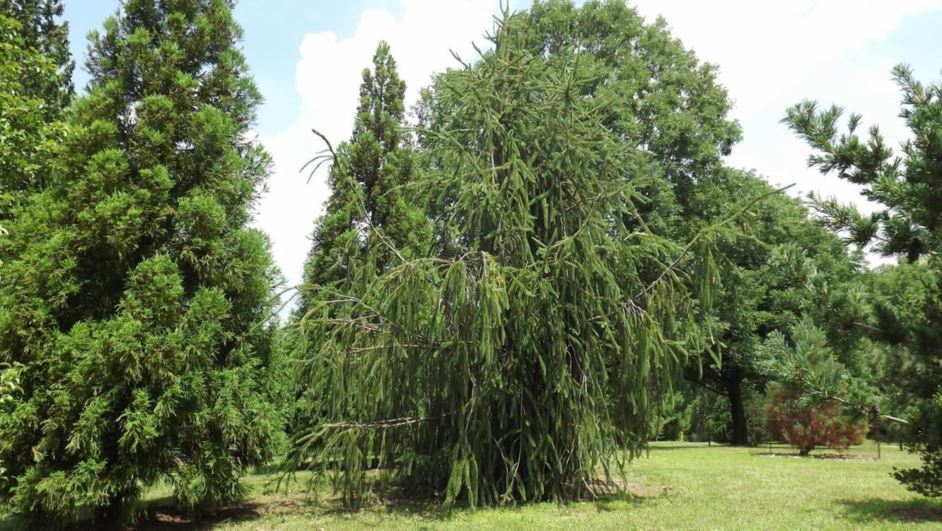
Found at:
<point>780,267</point>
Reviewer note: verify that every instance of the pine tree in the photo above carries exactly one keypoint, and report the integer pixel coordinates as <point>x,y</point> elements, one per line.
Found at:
<point>907,189</point>
<point>137,298</point>
<point>530,349</point>
<point>806,379</point>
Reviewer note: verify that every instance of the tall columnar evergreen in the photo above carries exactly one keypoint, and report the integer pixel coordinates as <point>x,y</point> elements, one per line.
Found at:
<point>907,188</point>
<point>137,298</point>
<point>529,351</point>
<point>370,211</point>
<point>371,222</point>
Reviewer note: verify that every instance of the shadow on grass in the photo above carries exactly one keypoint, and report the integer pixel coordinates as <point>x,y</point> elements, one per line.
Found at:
<point>387,500</point>
<point>688,446</point>
<point>157,518</point>
<point>896,511</point>
<point>168,518</point>
<point>160,515</point>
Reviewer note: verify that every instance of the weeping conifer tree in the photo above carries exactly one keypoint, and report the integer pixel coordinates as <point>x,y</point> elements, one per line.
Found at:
<point>137,298</point>
<point>529,352</point>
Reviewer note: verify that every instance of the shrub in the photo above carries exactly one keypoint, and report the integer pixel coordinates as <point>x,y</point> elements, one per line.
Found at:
<point>809,425</point>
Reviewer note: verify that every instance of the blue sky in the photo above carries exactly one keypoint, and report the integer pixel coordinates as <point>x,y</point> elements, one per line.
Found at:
<point>306,56</point>
<point>273,32</point>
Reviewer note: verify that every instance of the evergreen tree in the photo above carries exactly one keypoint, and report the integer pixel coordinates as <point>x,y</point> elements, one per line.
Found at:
<point>42,29</point>
<point>807,379</point>
<point>137,298</point>
<point>369,182</point>
<point>907,188</point>
<point>34,87</point>
<point>660,98</point>
<point>371,221</point>
<point>529,351</point>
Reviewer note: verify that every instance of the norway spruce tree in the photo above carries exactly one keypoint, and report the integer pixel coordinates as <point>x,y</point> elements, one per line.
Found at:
<point>136,297</point>
<point>528,352</point>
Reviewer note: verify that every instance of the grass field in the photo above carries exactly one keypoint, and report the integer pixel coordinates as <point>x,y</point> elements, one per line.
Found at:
<point>678,486</point>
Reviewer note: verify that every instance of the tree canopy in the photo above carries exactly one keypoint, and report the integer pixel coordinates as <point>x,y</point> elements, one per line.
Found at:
<point>136,297</point>
<point>907,189</point>
<point>531,347</point>
<point>780,267</point>
<point>34,88</point>
<point>513,287</point>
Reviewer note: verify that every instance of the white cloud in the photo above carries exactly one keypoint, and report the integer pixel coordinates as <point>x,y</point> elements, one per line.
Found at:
<point>767,49</point>
<point>328,77</point>
<point>771,54</point>
<point>774,54</point>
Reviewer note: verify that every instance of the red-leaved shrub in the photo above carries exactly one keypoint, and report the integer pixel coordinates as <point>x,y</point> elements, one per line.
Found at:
<point>808,426</point>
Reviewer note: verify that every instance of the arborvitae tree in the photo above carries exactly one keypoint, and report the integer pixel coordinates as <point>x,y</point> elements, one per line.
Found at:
<point>907,188</point>
<point>137,298</point>
<point>529,352</point>
<point>34,87</point>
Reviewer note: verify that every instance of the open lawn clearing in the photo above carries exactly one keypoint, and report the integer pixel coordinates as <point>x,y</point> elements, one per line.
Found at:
<point>678,486</point>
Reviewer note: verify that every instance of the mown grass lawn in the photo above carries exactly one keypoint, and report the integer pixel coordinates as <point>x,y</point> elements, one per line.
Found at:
<point>678,486</point>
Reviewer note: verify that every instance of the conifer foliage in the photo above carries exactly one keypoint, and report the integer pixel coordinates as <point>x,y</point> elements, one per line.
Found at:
<point>371,221</point>
<point>34,88</point>
<point>369,186</point>
<point>42,29</point>
<point>527,352</point>
<point>906,188</point>
<point>136,298</point>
